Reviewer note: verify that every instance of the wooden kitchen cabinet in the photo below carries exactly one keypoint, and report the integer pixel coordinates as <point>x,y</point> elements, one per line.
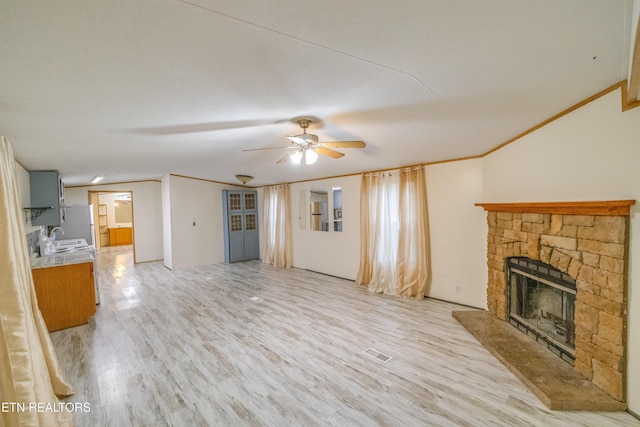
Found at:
<point>66,294</point>
<point>120,236</point>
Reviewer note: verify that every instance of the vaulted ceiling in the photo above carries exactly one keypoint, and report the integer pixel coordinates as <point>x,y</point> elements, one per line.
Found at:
<point>136,89</point>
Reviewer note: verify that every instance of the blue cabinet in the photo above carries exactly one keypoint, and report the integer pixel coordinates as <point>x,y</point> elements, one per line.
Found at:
<point>240,221</point>
<point>47,196</point>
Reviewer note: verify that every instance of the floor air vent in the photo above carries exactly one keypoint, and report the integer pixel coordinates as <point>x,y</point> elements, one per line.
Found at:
<point>376,354</point>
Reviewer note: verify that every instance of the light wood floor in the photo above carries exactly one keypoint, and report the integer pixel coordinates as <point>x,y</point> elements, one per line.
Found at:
<point>247,344</point>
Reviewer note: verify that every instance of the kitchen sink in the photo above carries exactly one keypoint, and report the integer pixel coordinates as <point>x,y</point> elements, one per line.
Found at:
<point>70,242</point>
<point>65,250</point>
<point>69,246</point>
<point>73,249</point>
<point>59,250</point>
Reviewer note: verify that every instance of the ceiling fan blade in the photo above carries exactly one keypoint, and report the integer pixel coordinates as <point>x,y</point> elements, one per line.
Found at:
<point>269,148</point>
<point>344,144</point>
<point>285,158</point>
<point>207,126</point>
<point>328,152</point>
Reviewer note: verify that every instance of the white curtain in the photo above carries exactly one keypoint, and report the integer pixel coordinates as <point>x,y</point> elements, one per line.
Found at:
<point>394,243</point>
<point>29,370</point>
<point>277,242</point>
<point>414,265</point>
<point>380,204</point>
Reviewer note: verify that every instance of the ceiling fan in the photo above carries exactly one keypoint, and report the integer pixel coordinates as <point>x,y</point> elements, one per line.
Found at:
<point>307,147</point>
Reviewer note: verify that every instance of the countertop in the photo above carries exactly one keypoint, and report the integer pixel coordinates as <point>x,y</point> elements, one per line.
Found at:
<point>56,260</point>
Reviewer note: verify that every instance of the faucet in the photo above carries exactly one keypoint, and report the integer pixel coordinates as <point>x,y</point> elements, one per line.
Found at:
<point>53,233</point>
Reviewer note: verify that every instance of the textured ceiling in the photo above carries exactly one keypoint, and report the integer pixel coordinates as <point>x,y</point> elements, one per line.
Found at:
<point>136,89</point>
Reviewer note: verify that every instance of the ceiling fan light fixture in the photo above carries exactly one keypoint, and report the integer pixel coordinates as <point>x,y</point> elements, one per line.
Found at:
<point>310,157</point>
<point>296,157</point>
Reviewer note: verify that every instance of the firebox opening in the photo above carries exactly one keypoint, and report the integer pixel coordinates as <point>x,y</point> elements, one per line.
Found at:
<point>541,303</point>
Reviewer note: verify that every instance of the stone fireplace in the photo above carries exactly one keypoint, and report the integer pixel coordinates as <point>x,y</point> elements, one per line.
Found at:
<point>585,246</point>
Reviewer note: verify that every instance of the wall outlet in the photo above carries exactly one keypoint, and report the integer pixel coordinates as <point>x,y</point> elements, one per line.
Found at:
<point>457,289</point>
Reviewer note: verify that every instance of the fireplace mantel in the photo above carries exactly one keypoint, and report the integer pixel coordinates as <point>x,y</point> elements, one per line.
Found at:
<point>608,207</point>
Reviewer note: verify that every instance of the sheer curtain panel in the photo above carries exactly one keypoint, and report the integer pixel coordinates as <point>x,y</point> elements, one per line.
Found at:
<point>394,237</point>
<point>379,200</point>
<point>29,370</point>
<point>277,246</point>
<point>414,266</point>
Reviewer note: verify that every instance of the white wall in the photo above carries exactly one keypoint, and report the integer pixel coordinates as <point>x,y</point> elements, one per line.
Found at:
<point>147,213</point>
<point>334,253</point>
<point>458,231</point>
<point>200,202</point>
<point>635,15</point>
<point>591,154</point>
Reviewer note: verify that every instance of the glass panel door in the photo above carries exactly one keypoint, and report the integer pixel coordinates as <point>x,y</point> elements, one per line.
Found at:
<point>250,222</point>
<point>235,202</point>
<point>250,201</point>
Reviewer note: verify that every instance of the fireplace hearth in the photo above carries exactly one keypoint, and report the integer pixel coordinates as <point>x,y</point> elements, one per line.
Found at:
<point>541,303</point>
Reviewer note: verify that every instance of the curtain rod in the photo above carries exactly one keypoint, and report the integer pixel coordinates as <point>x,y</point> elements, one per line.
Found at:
<point>389,172</point>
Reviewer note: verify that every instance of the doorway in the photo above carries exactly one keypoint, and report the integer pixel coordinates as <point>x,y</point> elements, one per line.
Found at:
<point>113,219</point>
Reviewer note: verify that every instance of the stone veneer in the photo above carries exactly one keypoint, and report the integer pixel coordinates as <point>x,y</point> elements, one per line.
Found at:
<point>593,250</point>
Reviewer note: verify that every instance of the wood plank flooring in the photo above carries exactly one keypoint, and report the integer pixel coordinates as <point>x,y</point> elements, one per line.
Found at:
<point>250,345</point>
